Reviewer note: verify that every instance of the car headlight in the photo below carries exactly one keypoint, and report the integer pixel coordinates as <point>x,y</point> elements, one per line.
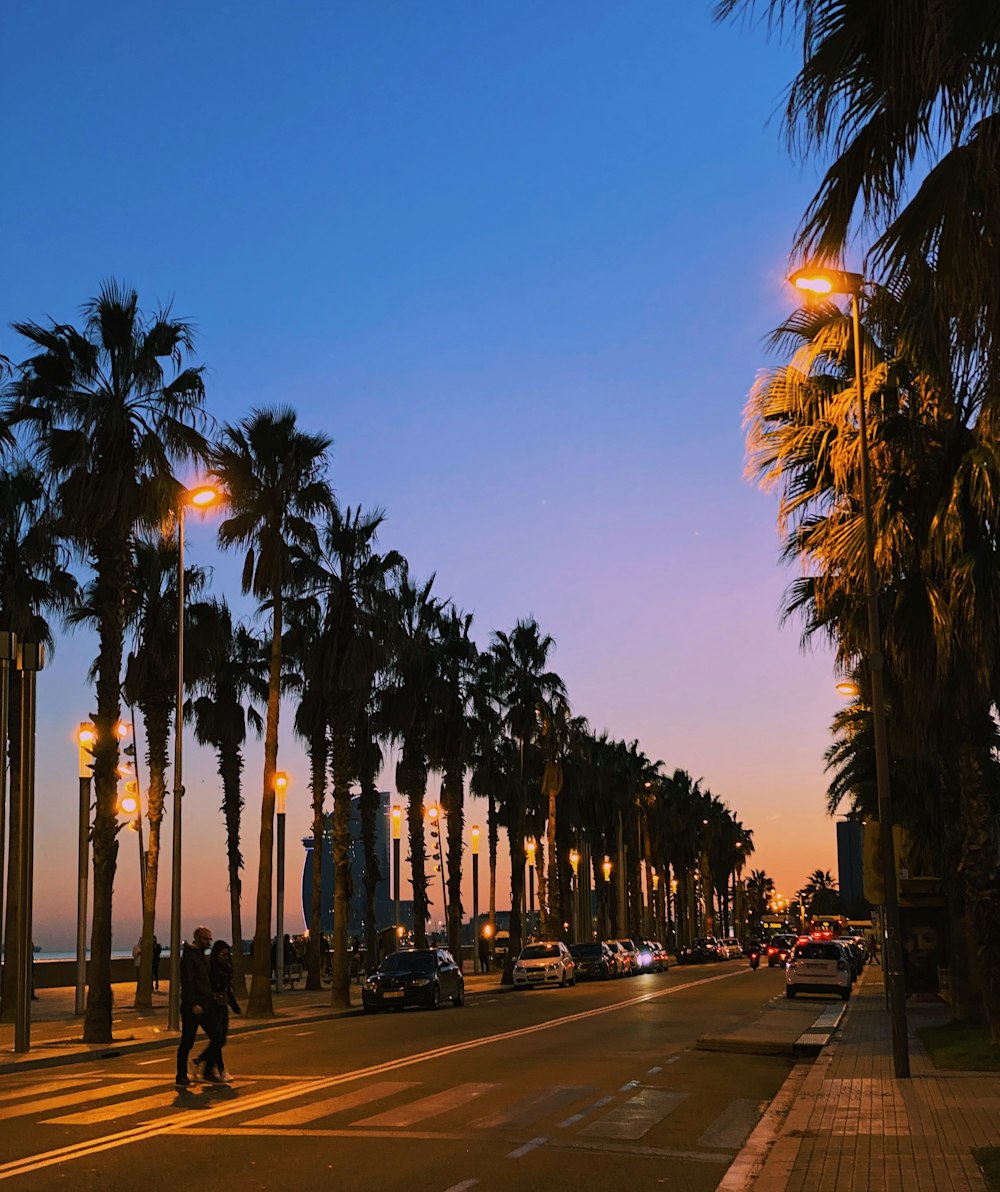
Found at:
<point>421,981</point>
<point>519,968</point>
<point>372,985</point>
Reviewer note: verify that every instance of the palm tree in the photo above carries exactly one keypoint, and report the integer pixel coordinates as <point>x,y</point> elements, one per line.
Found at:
<point>820,893</point>
<point>522,685</point>
<point>407,712</point>
<point>98,409</point>
<point>348,578</point>
<point>34,582</point>
<point>553,741</point>
<point>274,477</point>
<point>760,891</point>
<point>230,682</point>
<point>151,685</point>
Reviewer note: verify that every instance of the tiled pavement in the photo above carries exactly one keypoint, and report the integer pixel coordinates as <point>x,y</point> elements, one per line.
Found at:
<point>852,1127</point>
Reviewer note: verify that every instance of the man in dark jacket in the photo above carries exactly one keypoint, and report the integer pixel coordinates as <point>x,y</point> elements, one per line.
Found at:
<point>197,1004</point>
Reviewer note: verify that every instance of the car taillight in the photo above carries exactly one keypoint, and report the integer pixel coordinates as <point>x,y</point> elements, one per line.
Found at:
<point>772,951</point>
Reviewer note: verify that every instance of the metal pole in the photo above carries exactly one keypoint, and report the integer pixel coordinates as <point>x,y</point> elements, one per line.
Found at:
<point>82,876</point>
<point>395,879</point>
<point>279,944</point>
<point>31,660</point>
<point>531,897</point>
<point>893,969</point>
<point>174,1003</point>
<point>8,646</point>
<point>475,907</point>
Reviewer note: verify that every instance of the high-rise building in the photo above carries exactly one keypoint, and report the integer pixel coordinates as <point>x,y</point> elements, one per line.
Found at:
<point>850,868</point>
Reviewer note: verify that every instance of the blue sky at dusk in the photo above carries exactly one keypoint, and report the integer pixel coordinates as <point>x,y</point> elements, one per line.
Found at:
<point>519,261</point>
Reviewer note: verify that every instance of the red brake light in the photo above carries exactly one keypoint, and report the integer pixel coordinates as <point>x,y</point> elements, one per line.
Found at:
<point>772,951</point>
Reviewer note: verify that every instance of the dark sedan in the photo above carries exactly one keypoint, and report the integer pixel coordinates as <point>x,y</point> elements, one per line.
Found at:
<point>593,961</point>
<point>417,977</point>
<point>699,951</point>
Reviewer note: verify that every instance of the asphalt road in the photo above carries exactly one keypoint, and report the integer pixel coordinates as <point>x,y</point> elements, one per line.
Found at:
<point>592,1087</point>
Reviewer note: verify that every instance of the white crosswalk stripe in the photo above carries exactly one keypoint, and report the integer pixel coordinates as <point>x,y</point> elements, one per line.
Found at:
<point>315,1110</point>
<point>427,1107</point>
<point>529,1110</point>
<point>110,1113</point>
<point>104,1093</point>
<point>50,1086</point>
<point>637,1116</point>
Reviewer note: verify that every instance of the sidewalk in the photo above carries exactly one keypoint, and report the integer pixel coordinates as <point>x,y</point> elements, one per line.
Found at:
<point>56,1032</point>
<point>845,1122</point>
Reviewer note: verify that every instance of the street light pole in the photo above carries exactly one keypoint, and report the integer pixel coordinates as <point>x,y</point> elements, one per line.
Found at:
<point>530,845</point>
<point>606,870</point>
<point>574,860</point>
<point>201,497</point>
<point>828,282</point>
<point>280,790</point>
<point>86,736</point>
<point>475,898</point>
<point>397,819</point>
<point>8,653</point>
<point>31,659</point>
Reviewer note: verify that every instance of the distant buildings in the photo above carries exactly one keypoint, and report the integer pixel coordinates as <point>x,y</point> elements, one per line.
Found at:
<point>850,868</point>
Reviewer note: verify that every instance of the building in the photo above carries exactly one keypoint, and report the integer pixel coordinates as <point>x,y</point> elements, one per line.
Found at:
<point>850,867</point>
<point>384,906</point>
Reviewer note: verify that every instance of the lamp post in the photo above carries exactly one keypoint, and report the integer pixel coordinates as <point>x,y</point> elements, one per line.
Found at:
<point>8,653</point>
<point>656,905</point>
<point>853,284</point>
<point>397,820</point>
<point>574,860</point>
<point>434,814</point>
<point>475,898</point>
<point>30,660</point>
<point>201,498</point>
<point>530,845</point>
<point>86,736</point>
<point>606,868</point>
<point>280,790</point>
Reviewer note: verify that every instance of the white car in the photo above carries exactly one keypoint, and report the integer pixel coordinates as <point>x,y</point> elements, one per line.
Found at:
<point>818,966</point>
<point>547,962</point>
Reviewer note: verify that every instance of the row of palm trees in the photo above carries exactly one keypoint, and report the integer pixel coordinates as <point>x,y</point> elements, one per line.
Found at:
<point>94,425</point>
<point>902,99</point>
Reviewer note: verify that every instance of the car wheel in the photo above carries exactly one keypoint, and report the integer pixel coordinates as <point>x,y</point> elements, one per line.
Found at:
<point>435,997</point>
<point>459,998</point>
<point>790,993</point>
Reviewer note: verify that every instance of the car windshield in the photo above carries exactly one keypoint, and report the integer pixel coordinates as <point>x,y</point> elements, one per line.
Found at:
<point>408,962</point>
<point>586,951</point>
<point>540,952</point>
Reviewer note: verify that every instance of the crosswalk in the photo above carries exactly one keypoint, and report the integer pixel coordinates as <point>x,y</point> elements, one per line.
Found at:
<point>511,1111</point>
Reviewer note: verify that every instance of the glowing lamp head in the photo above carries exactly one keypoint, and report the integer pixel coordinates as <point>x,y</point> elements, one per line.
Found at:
<point>574,860</point>
<point>87,734</point>
<point>202,496</point>
<point>530,845</point>
<point>280,790</point>
<point>128,804</point>
<point>122,730</point>
<point>812,284</point>
<point>475,838</point>
<point>397,819</point>
<point>848,689</point>
<point>606,868</point>
<point>432,812</point>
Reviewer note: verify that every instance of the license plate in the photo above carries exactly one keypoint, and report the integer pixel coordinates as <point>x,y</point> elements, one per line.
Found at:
<point>816,968</point>
<point>393,993</point>
<point>535,976</point>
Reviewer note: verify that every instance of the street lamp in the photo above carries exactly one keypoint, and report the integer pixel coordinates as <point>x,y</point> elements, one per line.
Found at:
<point>8,653</point>
<point>86,737</point>
<point>30,660</point>
<point>397,820</point>
<point>475,898</point>
<point>530,845</point>
<point>200,497</point>
<point>280,790</point>
<point>835,281</point>
<point>574,860</point>
<point>433,814</point>
<point>656,904</point>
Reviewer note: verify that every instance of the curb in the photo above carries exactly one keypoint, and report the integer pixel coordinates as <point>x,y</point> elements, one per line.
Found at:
<point>128,1044</point>
<point>815,1038</point>
<point>810,1043</point>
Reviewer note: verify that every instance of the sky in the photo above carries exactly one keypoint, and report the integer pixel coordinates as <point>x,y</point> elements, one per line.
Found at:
<point>519,261</point>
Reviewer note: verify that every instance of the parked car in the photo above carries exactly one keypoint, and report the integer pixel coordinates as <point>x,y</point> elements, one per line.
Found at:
<point>734,949</point>
<point>779,948</point>
<point>700,951</point>
<point>594,961</point>
<point>415,977</point>
<point>818,966</point>
<point>659,961</point>
<point>547,962</point>
<point>647,962</point>
<point>622,958</point>
<point>501,946</point>
<point>635,968</point>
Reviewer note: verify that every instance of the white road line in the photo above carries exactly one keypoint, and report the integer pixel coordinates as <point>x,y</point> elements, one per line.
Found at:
<point>629,1085</point>
<point>528,1146</point>
<point>120,1109</point>
<point>673,1059</point>
<point>528,1110</point>
<point>578,1117</point>
<point>653,1071</point>
<point>77,1098</point>
<point>302,1034</point>
<point>426,1107</point>
<point>50,1086</point>
<point>318,1109</point>
<point>162,1060</point>
<point>463,1186</point>
<point>636,1116</point>
<point>179,1122</point>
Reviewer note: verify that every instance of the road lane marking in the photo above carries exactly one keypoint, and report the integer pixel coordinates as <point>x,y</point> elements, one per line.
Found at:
<point>463,1186</point>
<point>529,1110</point>
<point>50,1086</point>
<point>427,1107</point>
<point>77,1098</point>
<point>120,1109</point>
<point>178,1122</point>
<point>528,1146</point>
<point>629,1085</point>
<point>637,1116</point>
<point>302,1034</point>
<point>162,1060</point>
<point>318,1109</point>
<point>653,1071</point>
<point>578,1117</point>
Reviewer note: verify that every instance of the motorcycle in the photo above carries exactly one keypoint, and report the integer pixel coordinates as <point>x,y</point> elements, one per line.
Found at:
<point>754,959</point>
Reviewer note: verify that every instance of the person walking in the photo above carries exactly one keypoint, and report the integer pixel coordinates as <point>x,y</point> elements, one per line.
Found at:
<point>484,953</point>
<point>157,949</point>
<point>220,974</point>
<point>197,1007</point>
<point>137,960</point>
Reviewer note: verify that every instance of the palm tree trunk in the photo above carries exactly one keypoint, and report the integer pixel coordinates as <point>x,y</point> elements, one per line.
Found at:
<point>261,1004</point>
<point>453,803</point>
<point>10,984</point>
<point>553,901</point>
<point>493,832</point>
<point>340,989</point>
<point>230,767</point>
<point>980,866</point>
<point>317,781</point>
<point>157,720</point>
<point>649,917</point>
<point>515,836</point>
<point>370,805</point>
<point>112,568</point>
<point>411,778</point>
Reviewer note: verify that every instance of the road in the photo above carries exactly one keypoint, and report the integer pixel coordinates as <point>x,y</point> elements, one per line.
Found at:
<point>592,1087</point>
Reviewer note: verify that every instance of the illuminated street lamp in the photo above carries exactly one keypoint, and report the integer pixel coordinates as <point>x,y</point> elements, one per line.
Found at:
<point>475,898</point>
<point>86,737</point>
<point>280,791</point>
<point>530,845</point>
<point>574,860</point>
<point>848,689</point>
<point>836,281</point>
<point>397,820</point>
<point>434,814</point>
<point>200,497</point>
<point>30,660</point>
